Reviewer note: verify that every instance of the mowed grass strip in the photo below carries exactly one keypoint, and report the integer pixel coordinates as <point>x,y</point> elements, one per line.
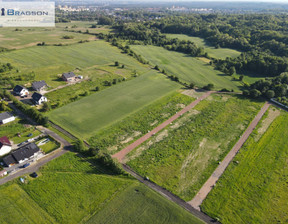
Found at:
<point>253,189</point>
<point>220,53</point>
<point>88,115</point>
<point>49,61</point>
<point>124,132</point>
<point>186,68</point>
<point>18,207</point>
<point>139,204</point>
<point>183,156</point>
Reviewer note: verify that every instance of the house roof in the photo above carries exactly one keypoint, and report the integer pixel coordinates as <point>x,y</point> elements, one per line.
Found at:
<point>68,75</point>
<point>9,160</point>
<point>25,152</point>
<point>18,88</point>
<point>5,115</point>
<point>38,84</point>
<point>4,141</point>
<point>36,96</point>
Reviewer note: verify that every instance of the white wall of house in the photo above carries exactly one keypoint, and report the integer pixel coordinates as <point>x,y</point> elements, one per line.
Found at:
<point>5,149</point>
<point>42,100</point>
<point>24,92</point>
<point>8,120</point>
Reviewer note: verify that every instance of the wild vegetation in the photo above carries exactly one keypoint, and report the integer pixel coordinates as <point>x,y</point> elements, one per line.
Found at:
<point>254,186</point>
<point>181,157</point>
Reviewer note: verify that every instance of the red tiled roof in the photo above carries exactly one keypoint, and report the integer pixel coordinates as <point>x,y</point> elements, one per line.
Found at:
<point>4,141</point>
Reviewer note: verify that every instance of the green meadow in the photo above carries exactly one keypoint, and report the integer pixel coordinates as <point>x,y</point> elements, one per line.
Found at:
<point>253,189</point>
<point>181,157</point>
<point>187,69</point>
<point>88,115</point>
<point>220,53</point>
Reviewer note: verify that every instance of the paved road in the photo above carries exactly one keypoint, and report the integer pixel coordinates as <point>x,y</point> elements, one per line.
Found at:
<point>120,155</point>
<point>208,186</point>
<point>205,218</point>
<point>65,147</point>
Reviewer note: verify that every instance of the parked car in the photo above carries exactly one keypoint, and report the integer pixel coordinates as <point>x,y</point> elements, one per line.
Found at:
<point>26,165</point>
<point>34,175</point>
<point>29,135</point>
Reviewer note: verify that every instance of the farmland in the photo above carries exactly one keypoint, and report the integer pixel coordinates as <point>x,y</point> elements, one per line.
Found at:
<point>220,53</point>
<point>88,115</point>
<point>254,187</point>
<point>142,205</point>
<point>181,157</point>
<point>54,60</point>
<point>122,133</point>
<point>187,69</point>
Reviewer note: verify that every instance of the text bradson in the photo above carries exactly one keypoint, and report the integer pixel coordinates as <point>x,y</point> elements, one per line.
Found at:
<point>12,12</point>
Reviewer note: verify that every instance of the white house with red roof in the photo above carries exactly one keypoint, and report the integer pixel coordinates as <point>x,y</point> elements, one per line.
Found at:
<point>5,146</point>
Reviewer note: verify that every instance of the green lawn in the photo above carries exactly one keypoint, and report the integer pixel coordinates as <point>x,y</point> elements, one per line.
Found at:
<point>49,146</point>
<point>127,130</point>
<point>50,61</point>
<point>88,115</point>
<point>220,53</point>
<point>138,204</point>
<point>181,157</point>
<point>253,189</point>
<point>188,69</point>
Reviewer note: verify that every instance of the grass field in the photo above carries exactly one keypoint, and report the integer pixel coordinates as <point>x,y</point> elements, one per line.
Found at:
<point>49,146</point>
<point>188,69</point>
<point>221,53</point>
<point>138,204</point>
<point>48,62</point>
<point>181,157</point>
<point>124,132</point>
<point>88,115</point>
<point>254,189</point>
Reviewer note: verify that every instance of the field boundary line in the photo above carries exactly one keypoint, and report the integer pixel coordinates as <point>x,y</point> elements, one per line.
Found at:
<point>210,183</point>
<point>121,154</point>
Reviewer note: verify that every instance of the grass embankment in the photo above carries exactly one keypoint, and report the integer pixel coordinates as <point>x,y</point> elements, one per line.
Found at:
<point>124,132</point>
<point>90,114</point>
<point>181,157</point>
<point>253,189</point>
<point>187,69</point>
<point>220,53</point>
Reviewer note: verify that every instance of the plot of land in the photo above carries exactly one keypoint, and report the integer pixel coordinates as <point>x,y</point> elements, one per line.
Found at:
<point>49,61</point>
<point>188,69</point>
<point>221,53</point>
<point>87,116</point>
<point>181,157</point>
<point>253,189</point>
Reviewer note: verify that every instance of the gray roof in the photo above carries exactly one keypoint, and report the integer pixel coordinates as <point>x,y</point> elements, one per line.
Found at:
<point>18,89</point>
<point>9,160</point>
<point>36,96</point>
<point>5,115</point>
<point>38,84</point>
<point>68,75</point>
<point>25,152</point>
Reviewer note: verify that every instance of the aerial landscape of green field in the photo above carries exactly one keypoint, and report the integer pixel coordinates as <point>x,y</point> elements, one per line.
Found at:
<point>262,161</point>
<point>188,69</point>
<point>110,105</point>
<point>181,157</point>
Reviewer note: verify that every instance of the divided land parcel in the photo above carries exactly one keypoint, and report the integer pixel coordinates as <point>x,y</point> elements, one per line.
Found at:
<point>181,157</point>
<point>253,189</point>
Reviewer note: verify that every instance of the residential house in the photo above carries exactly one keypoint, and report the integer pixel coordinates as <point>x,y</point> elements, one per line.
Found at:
<point>39,98</point>
<point>22,154</point>
<point>68,77</point>
<point>39,85</point>
<point>20,91</point>
<point>6,117</point>
<point>5,146</point>
<point>3,173</point>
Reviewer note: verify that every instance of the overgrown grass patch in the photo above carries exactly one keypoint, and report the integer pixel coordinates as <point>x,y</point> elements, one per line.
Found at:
<point>253,189</point>
<point>181,157</point>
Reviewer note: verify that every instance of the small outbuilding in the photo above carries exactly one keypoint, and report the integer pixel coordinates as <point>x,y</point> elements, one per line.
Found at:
<point>20,91</point>
<point>39,85</point>
<point>6,117</point>
<point>38,98</point>
<point>5,146</point>
<point>69,77</point>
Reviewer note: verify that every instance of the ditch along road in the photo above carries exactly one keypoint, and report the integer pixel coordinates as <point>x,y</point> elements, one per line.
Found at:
<point>210,183</point>
<point>121,155</point>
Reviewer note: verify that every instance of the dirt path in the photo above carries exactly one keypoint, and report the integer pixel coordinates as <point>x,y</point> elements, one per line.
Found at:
<point>208,186</point>
<point>121,155</point>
